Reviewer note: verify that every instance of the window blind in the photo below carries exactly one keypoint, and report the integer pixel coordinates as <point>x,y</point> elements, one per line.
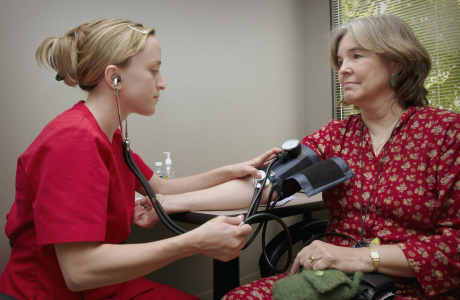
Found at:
<point>437,26</point>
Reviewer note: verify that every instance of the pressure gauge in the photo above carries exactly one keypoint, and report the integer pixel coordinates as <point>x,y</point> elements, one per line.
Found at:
<point>290,145</point>
<point>291,148</point>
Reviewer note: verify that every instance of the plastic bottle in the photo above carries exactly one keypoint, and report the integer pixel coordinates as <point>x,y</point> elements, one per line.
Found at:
<point>159,169</point>
<point>169,169</point>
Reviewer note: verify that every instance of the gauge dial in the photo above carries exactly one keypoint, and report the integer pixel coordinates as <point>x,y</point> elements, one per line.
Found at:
<point>290,144</point>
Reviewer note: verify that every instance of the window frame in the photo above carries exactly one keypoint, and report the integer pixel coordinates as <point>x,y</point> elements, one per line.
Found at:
<point>444,91</point>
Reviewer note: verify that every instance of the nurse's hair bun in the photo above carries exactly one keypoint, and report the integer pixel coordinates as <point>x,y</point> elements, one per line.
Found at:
<point>82,54</point>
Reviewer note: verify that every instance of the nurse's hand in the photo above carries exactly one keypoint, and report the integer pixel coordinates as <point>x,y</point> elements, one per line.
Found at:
<point>221,238</point>
<point>252,167</point>
<point>144,213</point>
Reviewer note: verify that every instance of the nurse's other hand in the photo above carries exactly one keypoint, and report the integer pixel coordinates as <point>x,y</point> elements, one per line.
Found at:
<point>144,213</point>
<point>221,238</point>
<point>252,167</point>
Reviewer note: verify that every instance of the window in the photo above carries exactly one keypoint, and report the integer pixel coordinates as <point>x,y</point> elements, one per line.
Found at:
<point>436,24</point>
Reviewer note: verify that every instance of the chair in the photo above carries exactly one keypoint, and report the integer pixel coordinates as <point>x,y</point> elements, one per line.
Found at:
<point>373,284</point>
<point>301,231</point>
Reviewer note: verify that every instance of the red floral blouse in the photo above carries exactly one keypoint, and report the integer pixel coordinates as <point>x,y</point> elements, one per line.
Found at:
<point>416,199</point>
<point>415,203</point>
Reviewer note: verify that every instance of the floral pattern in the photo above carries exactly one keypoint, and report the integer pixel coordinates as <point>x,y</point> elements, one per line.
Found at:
<point>256,290</point>
<point>416,200</point>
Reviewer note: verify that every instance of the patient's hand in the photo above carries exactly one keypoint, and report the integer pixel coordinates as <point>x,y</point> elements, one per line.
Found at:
<point>144,213</point>
<point>252,167</point>
<point>328,256</point>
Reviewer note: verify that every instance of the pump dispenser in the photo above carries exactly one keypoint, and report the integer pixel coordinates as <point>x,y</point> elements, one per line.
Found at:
<point>169,169</point>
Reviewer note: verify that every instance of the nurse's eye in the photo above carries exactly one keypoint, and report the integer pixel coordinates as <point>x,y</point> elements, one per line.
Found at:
<point>339,63</point>
<point>357,55</point>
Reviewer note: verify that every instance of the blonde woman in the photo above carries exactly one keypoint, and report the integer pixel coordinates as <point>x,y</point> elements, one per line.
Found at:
<point>406,158</point>
<point>75,195</point>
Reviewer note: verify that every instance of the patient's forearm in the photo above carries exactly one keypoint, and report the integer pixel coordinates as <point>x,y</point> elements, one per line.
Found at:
<point>234,194</point>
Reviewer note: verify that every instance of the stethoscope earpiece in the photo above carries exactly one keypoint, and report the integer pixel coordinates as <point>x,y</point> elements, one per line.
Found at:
<point>115,81</point>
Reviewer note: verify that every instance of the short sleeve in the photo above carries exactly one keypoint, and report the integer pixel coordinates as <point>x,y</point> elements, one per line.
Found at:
<point>69,179</point>
<point>146,170</point>
<point>321,141</point>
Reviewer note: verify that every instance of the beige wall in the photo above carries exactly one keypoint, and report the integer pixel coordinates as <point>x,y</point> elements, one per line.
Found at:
<point>242,76</point>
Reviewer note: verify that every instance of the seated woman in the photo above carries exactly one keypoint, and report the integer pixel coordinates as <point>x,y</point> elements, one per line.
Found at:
<point>75,195</point>
<point>406,160</point>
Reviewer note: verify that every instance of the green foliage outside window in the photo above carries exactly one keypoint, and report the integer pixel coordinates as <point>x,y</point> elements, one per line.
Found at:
<point>436,24</point>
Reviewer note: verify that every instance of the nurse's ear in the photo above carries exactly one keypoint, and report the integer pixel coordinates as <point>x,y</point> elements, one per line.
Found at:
<point>111,73</point>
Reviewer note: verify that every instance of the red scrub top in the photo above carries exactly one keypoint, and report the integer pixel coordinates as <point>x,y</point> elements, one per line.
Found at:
<point>72,185</point>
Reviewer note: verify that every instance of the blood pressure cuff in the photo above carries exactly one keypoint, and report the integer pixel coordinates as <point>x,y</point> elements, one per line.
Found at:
<point>305,172</point>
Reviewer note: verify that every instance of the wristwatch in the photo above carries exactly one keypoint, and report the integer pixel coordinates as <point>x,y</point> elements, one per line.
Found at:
<point>375,257</point>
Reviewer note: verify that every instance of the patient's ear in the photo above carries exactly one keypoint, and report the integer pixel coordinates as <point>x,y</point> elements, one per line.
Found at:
<point>397,67</point>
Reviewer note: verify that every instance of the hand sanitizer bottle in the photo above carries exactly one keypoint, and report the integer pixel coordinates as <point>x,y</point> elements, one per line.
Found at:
<point>168,170</point>
<point>159,169</point>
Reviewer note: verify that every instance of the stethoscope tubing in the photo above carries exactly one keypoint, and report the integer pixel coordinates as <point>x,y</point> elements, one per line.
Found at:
<point>251,216</point>
<point>258,192</point>
<point>170,224</point>
<point>260,224</point>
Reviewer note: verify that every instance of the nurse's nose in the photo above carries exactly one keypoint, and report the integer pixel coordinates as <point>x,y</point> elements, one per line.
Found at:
<point>161,85</point>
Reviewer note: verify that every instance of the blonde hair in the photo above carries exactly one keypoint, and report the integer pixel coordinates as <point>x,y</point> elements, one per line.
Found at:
<point>394,40</point>
<point>82,54</point>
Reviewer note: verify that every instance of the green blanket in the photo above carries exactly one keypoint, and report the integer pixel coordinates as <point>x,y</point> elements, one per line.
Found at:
<point>317,285</point>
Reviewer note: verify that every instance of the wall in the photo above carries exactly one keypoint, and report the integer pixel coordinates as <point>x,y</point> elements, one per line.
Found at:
<point>242,76</point>
<point>318,81</point>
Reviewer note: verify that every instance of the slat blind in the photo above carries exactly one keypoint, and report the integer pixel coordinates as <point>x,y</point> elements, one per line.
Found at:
<point>436,24</point>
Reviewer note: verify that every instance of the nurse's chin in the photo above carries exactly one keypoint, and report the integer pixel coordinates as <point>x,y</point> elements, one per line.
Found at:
<point>147,113</point>
<point>152,112</point>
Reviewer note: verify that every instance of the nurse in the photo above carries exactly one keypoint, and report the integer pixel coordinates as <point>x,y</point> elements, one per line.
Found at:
<point>74,193</point>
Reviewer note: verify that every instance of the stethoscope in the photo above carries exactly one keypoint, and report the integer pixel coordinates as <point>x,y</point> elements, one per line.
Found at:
<point>170,224</point>
<point>289,149</point>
